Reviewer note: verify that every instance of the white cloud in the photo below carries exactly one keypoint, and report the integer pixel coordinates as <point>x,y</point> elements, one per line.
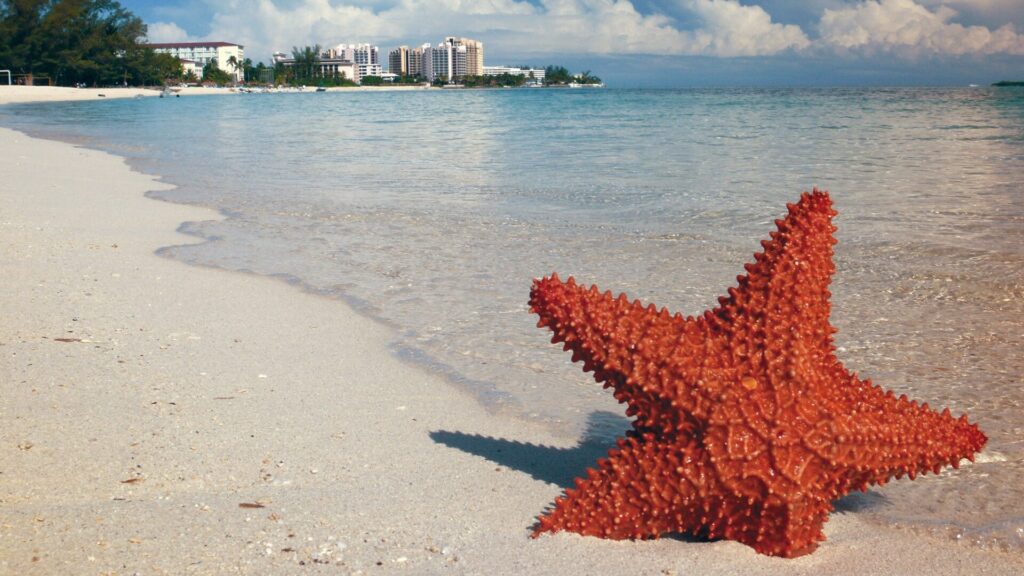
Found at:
<point>724,27</point>
<point>1002,9</point>
<point>906,27</point>
<point>731,29</point>
<point>520,28</point>
<point>166,32</point>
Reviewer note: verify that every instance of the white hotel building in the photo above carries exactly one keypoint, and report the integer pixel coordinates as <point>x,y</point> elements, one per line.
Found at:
<point>202,52</point>
<point>534,75</point>
<point>366,57</point>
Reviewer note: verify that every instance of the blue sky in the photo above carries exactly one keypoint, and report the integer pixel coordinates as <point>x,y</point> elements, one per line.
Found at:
<point>646,42</point>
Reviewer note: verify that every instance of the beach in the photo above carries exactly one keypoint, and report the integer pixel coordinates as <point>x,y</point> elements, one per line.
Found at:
<point>162,418</point>
<point>22,94</point>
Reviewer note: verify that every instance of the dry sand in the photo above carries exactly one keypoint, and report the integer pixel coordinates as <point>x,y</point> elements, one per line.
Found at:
<point>158,418</point>
<point>17,94</point>
<point>21,94</point>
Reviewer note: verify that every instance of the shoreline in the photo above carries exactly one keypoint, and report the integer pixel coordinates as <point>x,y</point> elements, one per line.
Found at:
<point>195,419</point>
<point>36,94</point>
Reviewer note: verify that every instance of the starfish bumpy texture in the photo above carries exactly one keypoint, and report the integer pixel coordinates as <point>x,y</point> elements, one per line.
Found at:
<point>746,426</point>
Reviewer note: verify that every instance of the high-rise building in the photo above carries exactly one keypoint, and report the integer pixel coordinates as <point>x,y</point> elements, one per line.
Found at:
<point>474,56</point>
<point>358,53</point>
<point>398,61</point>
<point>456,58</point>
<point>419,61</point>
<point>445,61</point>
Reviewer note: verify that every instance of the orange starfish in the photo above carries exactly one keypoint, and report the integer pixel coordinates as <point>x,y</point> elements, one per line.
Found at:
<point>746,425</point>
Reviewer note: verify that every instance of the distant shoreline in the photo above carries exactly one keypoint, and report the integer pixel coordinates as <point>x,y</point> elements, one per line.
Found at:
<point>30,94</point>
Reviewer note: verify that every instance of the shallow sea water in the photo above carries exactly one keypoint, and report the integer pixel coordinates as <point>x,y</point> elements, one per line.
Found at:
<point>433,211</point>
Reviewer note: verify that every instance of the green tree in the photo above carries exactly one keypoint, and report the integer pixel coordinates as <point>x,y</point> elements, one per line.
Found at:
<point>249,71</point>
<point>213,73</point>
<point>283,74</point>
<point>556,75</point>
<point>500,80</point>
<point>307,63</point>
<point>233,62</point>
<point>20,41</point>
<point>586,77</point>
<point>76,41</point>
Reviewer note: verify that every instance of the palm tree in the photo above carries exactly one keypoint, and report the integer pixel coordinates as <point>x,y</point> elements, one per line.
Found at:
<point>235,65</point>
<point>247,70</point>
<point>307,62</point>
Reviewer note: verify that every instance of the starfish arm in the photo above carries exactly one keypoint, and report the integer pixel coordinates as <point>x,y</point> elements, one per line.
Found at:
<point>647,488</point>
<point>650,358</point>
<point>643,489</point>
<point>874,436</point>
<point>779,312</point>
<point>787,528</point>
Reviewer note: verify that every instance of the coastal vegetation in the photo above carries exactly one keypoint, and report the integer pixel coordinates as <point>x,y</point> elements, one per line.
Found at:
<point>73,42</point>
<point>1009,83</point>
<point>560,76</point>
<point>213,73</point>
<point>499,81</point>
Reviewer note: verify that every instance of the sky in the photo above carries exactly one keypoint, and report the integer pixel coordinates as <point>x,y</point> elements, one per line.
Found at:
<point>648,43</point>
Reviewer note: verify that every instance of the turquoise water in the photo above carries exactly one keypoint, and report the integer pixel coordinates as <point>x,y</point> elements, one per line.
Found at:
<point>432,212</point>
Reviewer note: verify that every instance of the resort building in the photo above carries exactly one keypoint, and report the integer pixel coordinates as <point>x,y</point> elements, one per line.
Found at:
<point>456,58</point>
<point>474,55</point>
<point>201,53</point>
<point>446,62</point>
<point>398,61</point>
<point>419,61</point>
<point>328,66</point>
<point>535,75</point>
<point>365,70</point>
<point>358,53</point>
<point>190,68</point>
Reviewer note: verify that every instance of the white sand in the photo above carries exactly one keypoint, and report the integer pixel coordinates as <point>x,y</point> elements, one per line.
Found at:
<point>20,94</point>
<point>185,392</point>
<point>16,94</point>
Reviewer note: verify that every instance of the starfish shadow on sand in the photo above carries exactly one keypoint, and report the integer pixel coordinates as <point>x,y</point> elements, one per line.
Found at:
<point>550,464</point>
<point>560,466</point>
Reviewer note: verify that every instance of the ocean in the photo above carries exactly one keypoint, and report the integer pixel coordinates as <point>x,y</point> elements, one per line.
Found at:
<point>433,211</point>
